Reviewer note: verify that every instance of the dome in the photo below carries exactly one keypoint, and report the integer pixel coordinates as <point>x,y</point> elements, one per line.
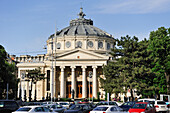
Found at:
<point>82,27</point>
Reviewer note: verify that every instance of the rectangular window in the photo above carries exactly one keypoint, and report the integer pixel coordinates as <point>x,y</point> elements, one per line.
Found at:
<point>48,80</point>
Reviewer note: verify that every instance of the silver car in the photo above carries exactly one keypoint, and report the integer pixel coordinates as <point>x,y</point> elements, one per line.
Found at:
<point>33,109</point>
<point>108,109</point>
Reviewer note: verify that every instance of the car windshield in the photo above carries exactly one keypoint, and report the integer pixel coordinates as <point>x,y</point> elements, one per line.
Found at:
<point>112,103</point>
<point>106,103</point>
<point>152,102</point>
<point>59,106</point>
<point>139,106</point>
<point>161,102</point>
<point>64,103</point>
<point>75,107</point>
<point>128,103</point>
<point>24,109</point>
<point>100,108</point>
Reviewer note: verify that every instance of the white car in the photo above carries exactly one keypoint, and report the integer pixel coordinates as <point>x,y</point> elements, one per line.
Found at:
<point>160,106</point>
<point>33,109</point>
<point>56,107</point>
<point>65,104</point>
<point>107,109</point>
<point>107,103</point>
<point>150,100</point>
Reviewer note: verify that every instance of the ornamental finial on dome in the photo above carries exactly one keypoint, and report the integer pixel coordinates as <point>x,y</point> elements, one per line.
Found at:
<point>81,14</point>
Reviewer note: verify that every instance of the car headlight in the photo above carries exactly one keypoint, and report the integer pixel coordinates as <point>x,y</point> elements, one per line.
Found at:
<point>142,112</point>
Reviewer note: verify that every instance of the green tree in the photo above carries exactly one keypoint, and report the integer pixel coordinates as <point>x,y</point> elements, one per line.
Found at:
<point>143,70</point>
<point>159,44</point>
<point>110,81</point>
<point>34,76</point>
<point>130,68</point>
<point>7,71</point>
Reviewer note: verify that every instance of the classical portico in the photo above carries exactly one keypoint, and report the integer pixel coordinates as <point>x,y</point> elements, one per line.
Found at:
<point>74,74</point>
<point>81,91</point>
<point>72,53</point>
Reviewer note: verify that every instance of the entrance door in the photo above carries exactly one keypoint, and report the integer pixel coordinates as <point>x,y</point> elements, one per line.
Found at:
<point>68,91</point>
<point>79,89</point>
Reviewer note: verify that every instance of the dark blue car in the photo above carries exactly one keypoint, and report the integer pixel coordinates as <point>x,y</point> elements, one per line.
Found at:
<point>79,108</point>
<point>127,105</point>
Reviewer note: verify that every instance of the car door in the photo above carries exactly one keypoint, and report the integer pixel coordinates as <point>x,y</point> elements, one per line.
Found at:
<point>85,109</point>
<point>148,109</point>
<point>39,110</point>
<point>113,110</point>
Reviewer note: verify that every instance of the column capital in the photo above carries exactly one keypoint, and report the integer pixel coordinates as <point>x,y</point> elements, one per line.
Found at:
<point>72,67</point>
<point>84,67</point>
<point>62,67</point>
<point>94,66</point>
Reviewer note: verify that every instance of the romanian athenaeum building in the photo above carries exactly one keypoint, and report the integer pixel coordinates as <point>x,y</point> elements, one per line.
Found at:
<point>73,62</point>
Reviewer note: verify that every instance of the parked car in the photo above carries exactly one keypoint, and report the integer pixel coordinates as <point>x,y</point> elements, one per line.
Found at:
<point>107,103</point>
<point>127,105</point>
<point>8,106</point>
<point>107,109</point>
<point>168,106</point>
<point>161,106</point>
<point>33,109</point>
<point>142,107</point>
<point>65,104</point>
<point>56,107</point>
<point>151,100</point>
<point>79,108</point>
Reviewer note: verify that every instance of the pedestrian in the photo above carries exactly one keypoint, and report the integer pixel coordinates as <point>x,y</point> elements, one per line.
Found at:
<point>125,98</point>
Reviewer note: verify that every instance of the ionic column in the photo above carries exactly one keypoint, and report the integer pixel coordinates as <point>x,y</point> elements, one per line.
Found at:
<point>84,82</point>
<point>94,82</point>
<point>55,82</point>
<point>52,82</point>
<point>62,83</point>
<point>73,82</point>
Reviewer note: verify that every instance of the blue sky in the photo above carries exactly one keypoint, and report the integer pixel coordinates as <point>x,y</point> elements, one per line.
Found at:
<point>25,25</point>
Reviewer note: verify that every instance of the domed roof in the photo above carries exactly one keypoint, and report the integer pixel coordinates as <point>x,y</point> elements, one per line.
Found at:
<point>82,27</point>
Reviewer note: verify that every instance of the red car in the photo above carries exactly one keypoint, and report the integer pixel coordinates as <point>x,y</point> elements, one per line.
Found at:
<point>142,107</point>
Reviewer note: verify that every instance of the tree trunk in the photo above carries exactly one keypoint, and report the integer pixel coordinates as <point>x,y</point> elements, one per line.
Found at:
<point>131,92</point>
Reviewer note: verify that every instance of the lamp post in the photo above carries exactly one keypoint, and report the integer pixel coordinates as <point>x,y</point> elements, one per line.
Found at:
<point>90,76</point>
<point>55,36</point>
<point>52,76</point>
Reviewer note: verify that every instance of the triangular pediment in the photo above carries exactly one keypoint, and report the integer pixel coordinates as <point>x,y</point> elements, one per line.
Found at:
<point>81,54</point>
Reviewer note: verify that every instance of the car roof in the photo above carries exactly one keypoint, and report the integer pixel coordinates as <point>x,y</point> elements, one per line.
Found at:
<point>160,100</point>
<point>81,104</point>
<point>7,100</point>
<point>63,102</point>
<point>147,99</point>
<point>107,106</point>
<point>31,106</point>
<point>142,102</point>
